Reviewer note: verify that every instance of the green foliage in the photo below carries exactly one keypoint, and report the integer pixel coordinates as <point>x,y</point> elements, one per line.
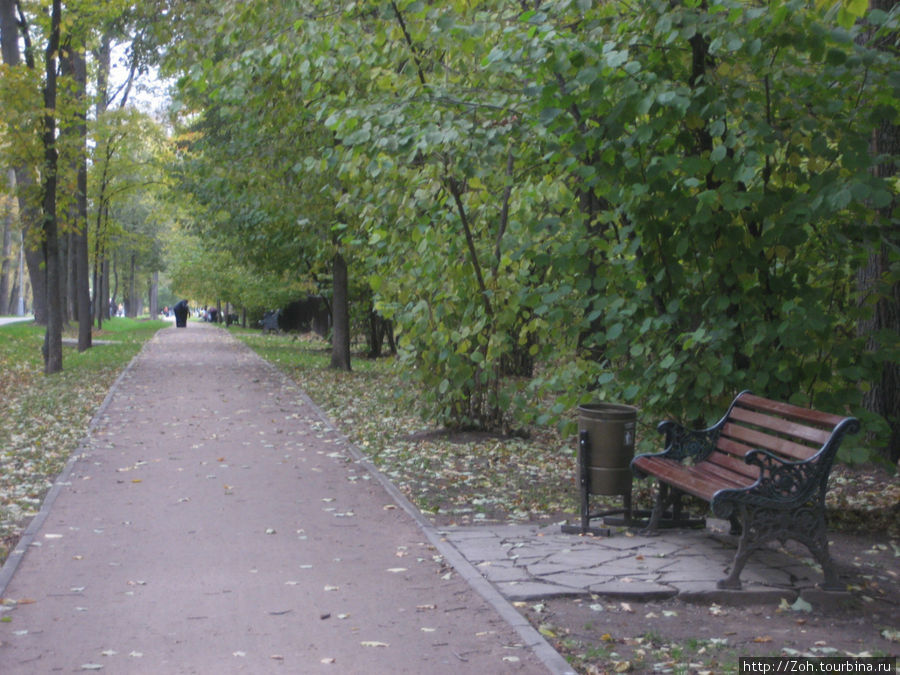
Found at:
<point>726,155</point>
<point>656,203</point>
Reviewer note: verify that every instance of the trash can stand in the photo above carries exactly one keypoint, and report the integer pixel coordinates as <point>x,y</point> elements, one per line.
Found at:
<point>606,434</point>
<point>606,439</point>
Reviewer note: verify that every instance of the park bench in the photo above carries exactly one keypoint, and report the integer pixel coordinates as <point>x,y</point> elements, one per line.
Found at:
<point>270,323</point>
<point>764,467</point>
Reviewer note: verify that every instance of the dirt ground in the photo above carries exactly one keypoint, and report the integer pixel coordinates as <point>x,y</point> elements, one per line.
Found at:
<point>599,635</point>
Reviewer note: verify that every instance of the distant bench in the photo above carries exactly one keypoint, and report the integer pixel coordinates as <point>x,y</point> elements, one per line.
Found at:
<point>764,466</point>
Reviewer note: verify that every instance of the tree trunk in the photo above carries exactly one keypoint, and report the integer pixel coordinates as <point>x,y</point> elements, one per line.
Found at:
<point>106,298</point>
<point>153,300</point>
<point>7,29</point>
<point>29,214</point>
<point>62,243</point>
<point>883,397</point>
<point>340,314</point>
<point>53,338</point>
<point>132,289</point>
<point>19,291</point>
<point>101,265</point>
<point>9,218</point>
<point>80,236</point>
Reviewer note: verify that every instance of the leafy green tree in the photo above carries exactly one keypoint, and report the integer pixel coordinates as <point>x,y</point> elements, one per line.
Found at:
<point>661,203</point>
<point>249,149</point>
<point>725,195</point>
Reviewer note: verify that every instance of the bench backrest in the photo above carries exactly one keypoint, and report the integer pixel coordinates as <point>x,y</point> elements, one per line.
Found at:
<point>753,422</point>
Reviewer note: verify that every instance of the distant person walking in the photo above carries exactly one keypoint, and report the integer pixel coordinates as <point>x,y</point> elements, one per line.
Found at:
<point>181,313</point>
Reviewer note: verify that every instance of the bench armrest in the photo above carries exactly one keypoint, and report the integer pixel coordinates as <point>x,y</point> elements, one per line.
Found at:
<point>683,444</point>
<point>780,483</point>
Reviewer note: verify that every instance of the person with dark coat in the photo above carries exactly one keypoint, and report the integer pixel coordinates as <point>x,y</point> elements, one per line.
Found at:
<point>181,313</point>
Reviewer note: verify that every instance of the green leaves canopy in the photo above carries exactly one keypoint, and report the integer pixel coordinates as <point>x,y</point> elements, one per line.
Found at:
<point>656,203</point>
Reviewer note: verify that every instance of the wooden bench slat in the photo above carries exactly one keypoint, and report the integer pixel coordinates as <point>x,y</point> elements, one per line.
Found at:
<point>789,410</point>
<point>735,467</point>
<point>787,427</point>
<point>677,475</point>
<point>733,448</point>
<point>721,477</point>
<point>761,439</point>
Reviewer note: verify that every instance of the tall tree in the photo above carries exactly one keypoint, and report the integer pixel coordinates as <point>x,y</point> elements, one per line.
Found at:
<point>6,247</point>
<point>53,360</point>
<point>75,66</point>
<point>12,28</point>
<point>882,327</point>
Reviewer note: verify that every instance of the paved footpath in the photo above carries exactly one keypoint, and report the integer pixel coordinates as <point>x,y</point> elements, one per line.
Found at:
<point>215,522</point>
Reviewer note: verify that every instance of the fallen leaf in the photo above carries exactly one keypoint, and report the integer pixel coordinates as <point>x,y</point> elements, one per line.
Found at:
<point>801,606</point>
<point>546,631</point>
<point>327,659</point>
<point>373,643</point>
<point>764,638</point>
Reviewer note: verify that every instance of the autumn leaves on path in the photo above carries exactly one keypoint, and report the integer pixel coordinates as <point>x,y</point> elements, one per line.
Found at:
<point>215,522</point>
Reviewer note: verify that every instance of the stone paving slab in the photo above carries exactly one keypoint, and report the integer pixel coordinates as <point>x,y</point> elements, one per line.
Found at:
<point>685,563</point>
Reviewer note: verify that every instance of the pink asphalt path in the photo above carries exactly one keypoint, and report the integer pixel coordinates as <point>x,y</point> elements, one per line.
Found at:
<point>214,521</point>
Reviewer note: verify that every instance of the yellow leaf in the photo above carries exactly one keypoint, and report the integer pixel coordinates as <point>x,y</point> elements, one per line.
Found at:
<point>373,643</point>
<point>765,638</point>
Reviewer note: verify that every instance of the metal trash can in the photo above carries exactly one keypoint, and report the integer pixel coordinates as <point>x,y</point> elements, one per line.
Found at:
<point>606,435</point>
<point>609,449</point>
